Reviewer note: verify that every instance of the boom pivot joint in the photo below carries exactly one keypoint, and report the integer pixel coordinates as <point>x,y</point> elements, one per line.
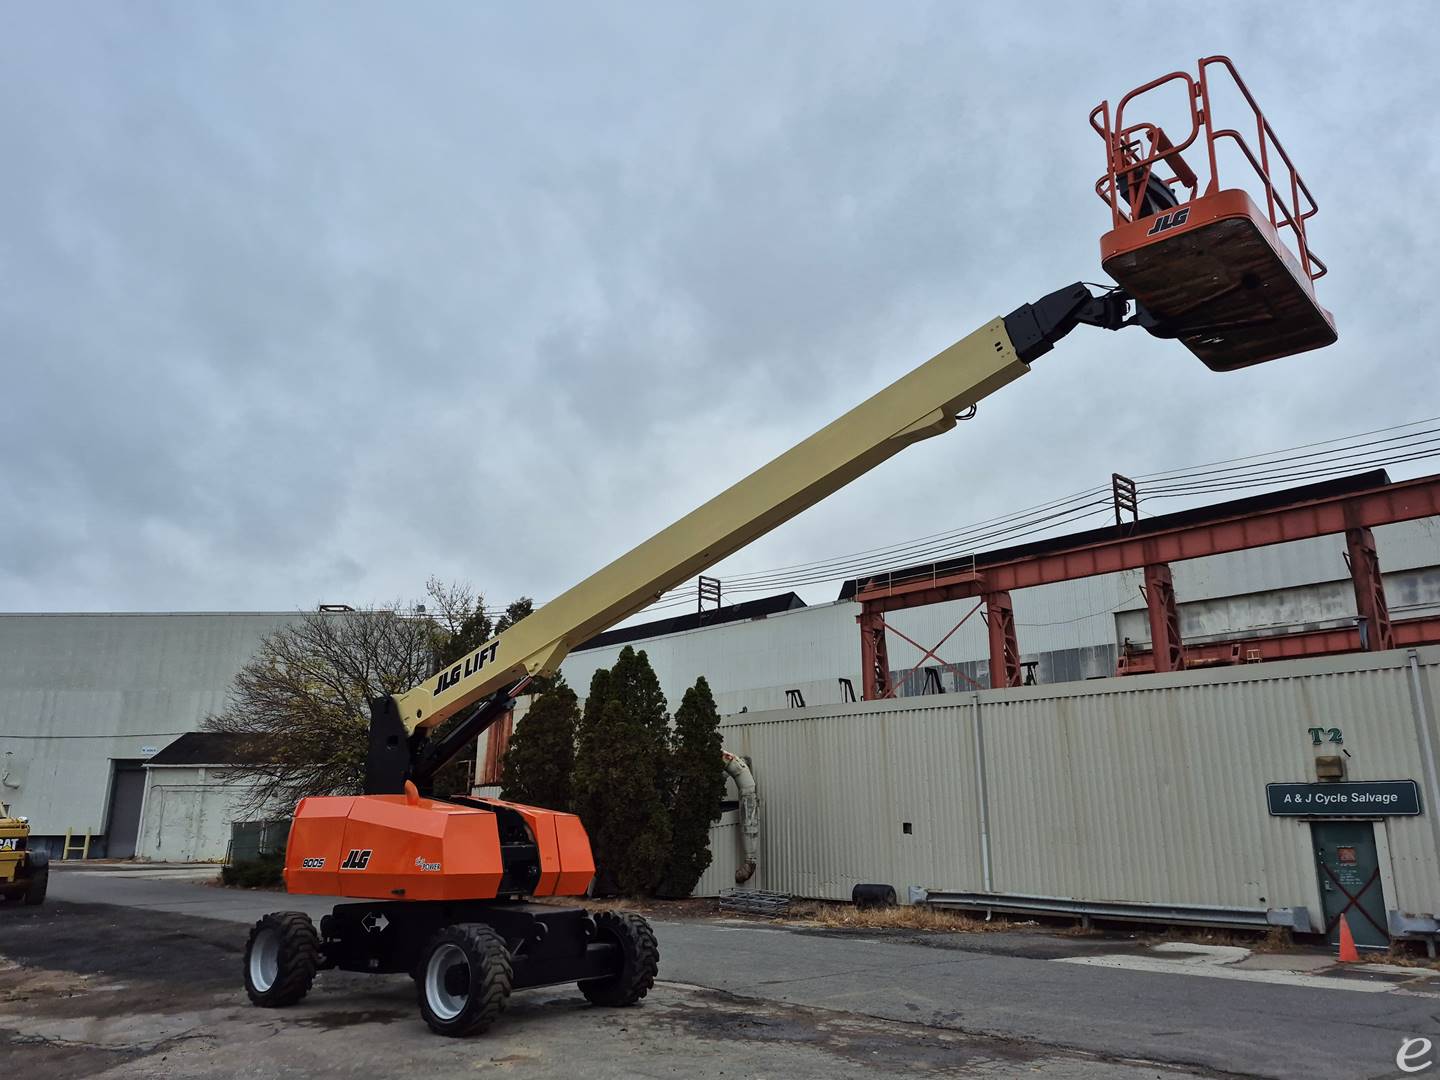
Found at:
<point>1035,328</point>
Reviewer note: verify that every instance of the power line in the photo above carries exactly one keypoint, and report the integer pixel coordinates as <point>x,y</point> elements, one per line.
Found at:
<point>1289,449</point>
<point>1344,455</point>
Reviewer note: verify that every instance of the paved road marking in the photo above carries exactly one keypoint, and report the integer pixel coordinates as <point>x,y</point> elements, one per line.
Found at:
<point>1213,970</point>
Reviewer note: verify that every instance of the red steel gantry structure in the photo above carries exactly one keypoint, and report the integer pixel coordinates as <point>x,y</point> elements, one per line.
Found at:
<point>1354,506</point>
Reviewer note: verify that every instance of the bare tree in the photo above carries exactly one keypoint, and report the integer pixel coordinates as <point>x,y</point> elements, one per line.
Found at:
<point>299,711</point>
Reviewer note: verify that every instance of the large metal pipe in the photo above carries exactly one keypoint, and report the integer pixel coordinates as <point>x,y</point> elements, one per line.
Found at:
<point>982,800</point>
<point>749,813</point>
<point>1421,713</point>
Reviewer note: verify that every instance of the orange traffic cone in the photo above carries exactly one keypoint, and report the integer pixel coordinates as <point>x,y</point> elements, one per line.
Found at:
<point>1348,953</point>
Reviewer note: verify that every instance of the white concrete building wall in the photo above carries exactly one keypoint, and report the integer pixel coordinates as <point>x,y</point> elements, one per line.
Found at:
<point>749,665</point>
<point>80,692</point>
<point>187,813</point>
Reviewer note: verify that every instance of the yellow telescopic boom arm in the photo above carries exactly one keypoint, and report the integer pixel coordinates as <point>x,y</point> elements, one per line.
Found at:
<point>923,403</point>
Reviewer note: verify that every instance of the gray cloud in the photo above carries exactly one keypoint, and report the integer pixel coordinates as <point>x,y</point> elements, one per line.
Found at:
<point>303,303</point>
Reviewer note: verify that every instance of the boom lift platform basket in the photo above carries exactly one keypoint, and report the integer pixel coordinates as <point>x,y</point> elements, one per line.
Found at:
<point>1232,279</point>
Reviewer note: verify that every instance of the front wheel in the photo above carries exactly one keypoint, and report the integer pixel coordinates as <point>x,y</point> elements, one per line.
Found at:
<point>280,959</point>
<point>639,960</point>
<point>464,979</point>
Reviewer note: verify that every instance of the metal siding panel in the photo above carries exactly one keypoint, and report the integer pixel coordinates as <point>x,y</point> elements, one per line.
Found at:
<point>836,784</point>
<point>1150,789</point>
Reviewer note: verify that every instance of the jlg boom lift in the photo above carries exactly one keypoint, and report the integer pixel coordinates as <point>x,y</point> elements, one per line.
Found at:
<point>438,887</point>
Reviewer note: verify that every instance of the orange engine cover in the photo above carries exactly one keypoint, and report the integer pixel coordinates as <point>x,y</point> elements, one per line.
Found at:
<point>398,847</point>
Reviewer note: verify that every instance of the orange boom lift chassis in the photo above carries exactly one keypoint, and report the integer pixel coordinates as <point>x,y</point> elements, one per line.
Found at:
<point>438,889</point>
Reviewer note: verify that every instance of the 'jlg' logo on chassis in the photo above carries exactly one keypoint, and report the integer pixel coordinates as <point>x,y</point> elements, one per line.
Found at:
<point>1169,221</point>
<point>473,663</point>
<point>357,859</point>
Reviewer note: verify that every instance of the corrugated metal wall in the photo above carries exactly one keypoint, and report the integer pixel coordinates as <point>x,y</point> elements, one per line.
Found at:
<point>1150,789</point>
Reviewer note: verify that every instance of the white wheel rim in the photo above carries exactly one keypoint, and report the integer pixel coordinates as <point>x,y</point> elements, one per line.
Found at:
<point>265,959</point>
<point>448,966</point>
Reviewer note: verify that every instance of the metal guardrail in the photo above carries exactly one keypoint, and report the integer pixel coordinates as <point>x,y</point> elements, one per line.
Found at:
<point>1296,918</point>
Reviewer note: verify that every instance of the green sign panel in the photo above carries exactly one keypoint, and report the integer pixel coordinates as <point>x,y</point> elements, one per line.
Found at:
<point>1360,798</point>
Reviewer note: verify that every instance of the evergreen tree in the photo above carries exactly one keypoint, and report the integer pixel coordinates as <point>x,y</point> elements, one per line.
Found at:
<point>621,791</point>
<point>540,761</point>
<point>630,829</point>
<point>699,784</point>
<point>590,752</point>
<point>634,685</point>
<point>514,612</point>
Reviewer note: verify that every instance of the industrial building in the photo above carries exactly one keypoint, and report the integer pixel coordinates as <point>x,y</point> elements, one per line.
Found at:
<point>1084,721</point>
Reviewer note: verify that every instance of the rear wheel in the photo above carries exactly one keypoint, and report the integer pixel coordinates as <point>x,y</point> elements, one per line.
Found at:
<point>280,959</point>
<point>39,867</point>
<point>640,960</point>
<point>464,979</point>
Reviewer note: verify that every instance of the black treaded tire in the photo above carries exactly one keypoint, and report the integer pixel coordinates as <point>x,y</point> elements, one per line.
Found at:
<point>38,865</point>
<point>640,960</point>
<point>281,956</point>
<point>463,979</point>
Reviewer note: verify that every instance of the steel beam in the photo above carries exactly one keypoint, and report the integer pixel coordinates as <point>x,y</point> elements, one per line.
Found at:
<point>1345,639</point>
<point>874,657</point>
<point>1165,643</point>
<point>1406,500</point>
<point>492,771</point>
<point>1004,646</point>
<point>1375,631</point>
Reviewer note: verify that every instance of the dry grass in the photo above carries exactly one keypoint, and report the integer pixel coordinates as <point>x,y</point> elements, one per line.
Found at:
<point>914,917</point>
<point>1409,954</point>
<point>1275,940</point>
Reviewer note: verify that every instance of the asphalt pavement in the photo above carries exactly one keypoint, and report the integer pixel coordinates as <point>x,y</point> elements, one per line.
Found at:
<point>1105,1002</point>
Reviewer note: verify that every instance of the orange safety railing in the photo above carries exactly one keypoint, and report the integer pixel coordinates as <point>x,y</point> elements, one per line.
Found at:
<point>1134,151</point>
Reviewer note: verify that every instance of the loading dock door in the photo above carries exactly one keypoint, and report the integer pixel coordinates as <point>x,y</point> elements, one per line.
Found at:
<point>1349,872</point>
<point>122,826</point>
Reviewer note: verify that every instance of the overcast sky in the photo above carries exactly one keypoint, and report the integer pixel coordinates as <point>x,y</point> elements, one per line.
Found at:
<point>306,302</point>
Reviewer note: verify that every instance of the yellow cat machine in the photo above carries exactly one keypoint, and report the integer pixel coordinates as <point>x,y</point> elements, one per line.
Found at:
<point>24,874</point>
<point>439,889</point>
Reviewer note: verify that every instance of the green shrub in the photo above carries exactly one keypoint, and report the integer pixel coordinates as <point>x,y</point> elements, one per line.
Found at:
<point>265,872</point>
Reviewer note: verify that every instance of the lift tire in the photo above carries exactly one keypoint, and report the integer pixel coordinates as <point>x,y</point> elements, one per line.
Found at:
<point>639,965</point>
<point>463,979</point>
<point>37,865</point>
<point>280,959</point>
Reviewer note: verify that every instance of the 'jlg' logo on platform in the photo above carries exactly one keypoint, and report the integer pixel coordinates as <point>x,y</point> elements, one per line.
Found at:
<point>1169,221</point>
<point>356,860</point>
